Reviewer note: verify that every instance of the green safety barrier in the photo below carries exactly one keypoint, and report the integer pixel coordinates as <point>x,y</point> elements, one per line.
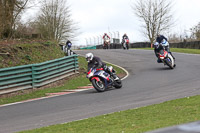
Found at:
<point>37,75</point>
<point>89,47</point>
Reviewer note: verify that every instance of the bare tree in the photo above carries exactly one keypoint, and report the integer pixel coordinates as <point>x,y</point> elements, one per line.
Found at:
<point>196,32</point>
<point>55,21</point>
<point>155,15</point>
<point>10,11</point>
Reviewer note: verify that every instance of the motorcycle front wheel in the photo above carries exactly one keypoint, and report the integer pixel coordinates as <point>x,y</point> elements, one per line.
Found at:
<point>170,62</point>
<point>127,46</point>
<point>98,85</point>
<point>118,83</point>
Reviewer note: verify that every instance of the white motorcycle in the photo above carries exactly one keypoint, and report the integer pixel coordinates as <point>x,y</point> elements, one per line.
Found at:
<point>125,43</point>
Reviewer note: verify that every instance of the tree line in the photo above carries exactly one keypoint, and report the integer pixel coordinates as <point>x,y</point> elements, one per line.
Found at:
<point>157,17</point>
<point>53,21</point>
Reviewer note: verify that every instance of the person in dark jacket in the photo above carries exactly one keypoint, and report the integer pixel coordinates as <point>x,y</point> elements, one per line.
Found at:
<point>160,38</point>
<point>96,62</point>
<point>125,37</point>
<point>68,44</point>
<point>163,41</point>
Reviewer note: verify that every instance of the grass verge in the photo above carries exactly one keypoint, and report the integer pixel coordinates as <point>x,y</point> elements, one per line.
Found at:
<point>135,120</point>
<point>69,84</point>
<point>179,50</point>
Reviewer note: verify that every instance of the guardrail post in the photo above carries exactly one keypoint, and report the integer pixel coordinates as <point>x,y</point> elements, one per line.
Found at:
<point>33,76</point>
<point>74,63</point>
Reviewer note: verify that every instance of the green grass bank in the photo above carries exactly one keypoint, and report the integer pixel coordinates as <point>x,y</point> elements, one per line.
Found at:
<point>134,120</point>
<point>179,50</point>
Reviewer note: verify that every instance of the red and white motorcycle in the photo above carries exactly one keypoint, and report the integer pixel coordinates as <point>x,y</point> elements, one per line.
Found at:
<point>125,43</point>
<point>106,43</point>
<point>102,80</point>
<point>165,56</point>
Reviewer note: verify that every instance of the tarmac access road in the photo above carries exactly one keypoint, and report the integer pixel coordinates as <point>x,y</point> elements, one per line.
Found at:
<point>148,83</point>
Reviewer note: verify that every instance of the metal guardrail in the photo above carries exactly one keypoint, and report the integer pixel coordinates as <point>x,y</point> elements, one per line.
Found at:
<point>192,45</point>
<point>36,75</point>
<point>89,47</point>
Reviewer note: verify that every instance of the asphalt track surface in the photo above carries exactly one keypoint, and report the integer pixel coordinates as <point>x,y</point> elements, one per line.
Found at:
<point>148,83</point>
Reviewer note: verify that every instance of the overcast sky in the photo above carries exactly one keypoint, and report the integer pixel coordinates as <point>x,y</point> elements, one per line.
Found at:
<point>95,17</point>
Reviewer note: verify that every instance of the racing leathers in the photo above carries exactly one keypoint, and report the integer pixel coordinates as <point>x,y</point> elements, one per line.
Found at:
<point>161,43</point>
<point>106,38</point>
<point>124,37</point>
<point>96,62</point>
<point>68,45</point>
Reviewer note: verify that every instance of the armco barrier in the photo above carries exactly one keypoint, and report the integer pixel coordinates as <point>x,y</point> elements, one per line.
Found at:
<point>89,47</point>
<point>131,45</point>
<point>192,45</point>
<point>36,75</point>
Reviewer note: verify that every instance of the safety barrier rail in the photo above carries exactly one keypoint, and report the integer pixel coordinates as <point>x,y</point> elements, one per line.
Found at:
<point>192,45</point>
<point>37,75</point>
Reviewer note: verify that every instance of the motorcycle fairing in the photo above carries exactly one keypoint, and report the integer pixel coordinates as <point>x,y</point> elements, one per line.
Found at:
<point>96,78</point>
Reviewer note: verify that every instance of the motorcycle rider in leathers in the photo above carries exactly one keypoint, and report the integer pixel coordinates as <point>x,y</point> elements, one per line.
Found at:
<point>105,37</point>
<point>96,62</point>
<point>159,40</point>
<point>124,37</point>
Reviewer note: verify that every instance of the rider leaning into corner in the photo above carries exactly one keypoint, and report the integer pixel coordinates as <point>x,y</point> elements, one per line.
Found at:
<point>96,62</point>
<point>163,41</point>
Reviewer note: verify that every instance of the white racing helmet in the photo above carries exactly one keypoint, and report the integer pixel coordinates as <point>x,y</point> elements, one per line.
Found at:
<point>89,57</point>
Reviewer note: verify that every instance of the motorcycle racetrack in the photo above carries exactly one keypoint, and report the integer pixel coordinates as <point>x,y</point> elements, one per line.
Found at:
<point>148,83</point>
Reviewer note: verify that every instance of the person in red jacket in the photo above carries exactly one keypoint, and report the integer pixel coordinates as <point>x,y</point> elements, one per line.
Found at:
<point>106,39</point>
<point>106,36</point>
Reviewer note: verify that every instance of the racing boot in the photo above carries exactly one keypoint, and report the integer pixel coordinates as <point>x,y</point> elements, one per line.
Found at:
<point>159,61</point>
<point>115,77</point>
<point>172,55</point>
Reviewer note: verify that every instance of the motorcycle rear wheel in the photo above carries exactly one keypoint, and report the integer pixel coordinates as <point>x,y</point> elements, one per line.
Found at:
<point>98,85</point>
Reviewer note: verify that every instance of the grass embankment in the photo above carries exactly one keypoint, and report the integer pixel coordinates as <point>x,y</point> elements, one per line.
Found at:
<point>135,120</point>
<point>179,50</point>
<point>23,54</point>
